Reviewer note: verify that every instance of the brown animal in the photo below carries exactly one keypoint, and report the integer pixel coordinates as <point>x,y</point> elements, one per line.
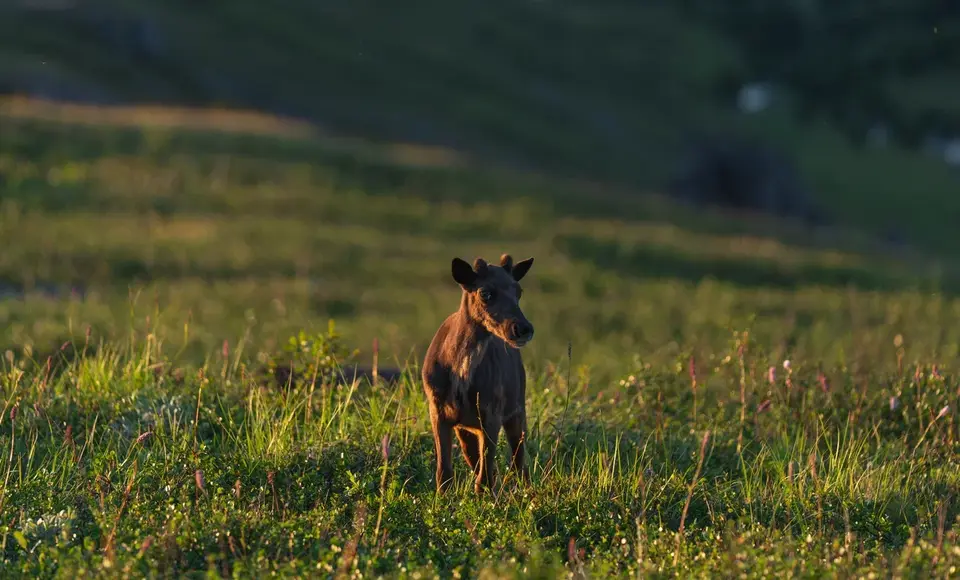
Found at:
<point>473,373</point>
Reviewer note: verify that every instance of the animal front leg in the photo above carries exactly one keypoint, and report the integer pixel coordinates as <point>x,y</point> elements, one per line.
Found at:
<point>516,431</point>
<point>487,474</point>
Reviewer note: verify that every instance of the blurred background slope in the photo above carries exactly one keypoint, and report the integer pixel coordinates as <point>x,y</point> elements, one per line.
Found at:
<point>325,158</point>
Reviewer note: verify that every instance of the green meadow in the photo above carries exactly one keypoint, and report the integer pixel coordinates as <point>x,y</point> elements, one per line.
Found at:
<point>708,394</point>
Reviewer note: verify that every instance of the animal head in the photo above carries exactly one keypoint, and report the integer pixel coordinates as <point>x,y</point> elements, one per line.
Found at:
<point>492,297</point>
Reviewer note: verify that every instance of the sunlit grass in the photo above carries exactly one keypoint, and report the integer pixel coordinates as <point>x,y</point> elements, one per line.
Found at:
<point>217,237</point>
<point>148,277</point>
<point>121,464</point>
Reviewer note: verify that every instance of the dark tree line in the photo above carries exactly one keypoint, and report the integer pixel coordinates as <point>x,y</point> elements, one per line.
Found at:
<point>855,62</point>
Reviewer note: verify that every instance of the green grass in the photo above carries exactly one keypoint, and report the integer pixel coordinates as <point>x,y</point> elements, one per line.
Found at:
<point>116,467</point>
<point>219,236</point>
<point>184,240</point>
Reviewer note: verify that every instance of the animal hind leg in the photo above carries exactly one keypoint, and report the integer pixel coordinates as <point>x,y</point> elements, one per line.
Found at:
<point>443,442</point>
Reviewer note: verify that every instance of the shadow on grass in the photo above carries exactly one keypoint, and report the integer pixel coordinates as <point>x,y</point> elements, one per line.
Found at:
<point>660,262</point>
<point>100,271</point>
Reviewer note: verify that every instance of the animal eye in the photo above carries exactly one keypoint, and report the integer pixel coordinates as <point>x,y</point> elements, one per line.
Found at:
<point>486,295</point>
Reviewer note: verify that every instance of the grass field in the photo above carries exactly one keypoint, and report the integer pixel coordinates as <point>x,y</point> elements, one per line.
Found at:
<point>117,468</point>
<point>148,444</point>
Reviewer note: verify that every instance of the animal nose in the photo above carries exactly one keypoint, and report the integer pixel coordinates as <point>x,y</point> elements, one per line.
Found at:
<point>522,330</point>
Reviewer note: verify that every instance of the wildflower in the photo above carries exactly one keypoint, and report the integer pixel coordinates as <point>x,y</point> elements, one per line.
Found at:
<point>198,478</point>
<point>786,364</point>
<point>573,554</point>
<point>772,375</point>
<point>894,403</point>
<point>943,411</point>
<point>764,406</point>
<point>822,378</point>
<point>13,412</point>
<point>225,350</point>
<point>144,436</point>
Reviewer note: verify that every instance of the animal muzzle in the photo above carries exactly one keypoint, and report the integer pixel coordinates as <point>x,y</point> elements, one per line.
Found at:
<point>520,332</point>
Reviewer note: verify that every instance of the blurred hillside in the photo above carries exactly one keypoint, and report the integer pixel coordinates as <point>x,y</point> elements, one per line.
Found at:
<point>609,91</point>
<point>525,83</point>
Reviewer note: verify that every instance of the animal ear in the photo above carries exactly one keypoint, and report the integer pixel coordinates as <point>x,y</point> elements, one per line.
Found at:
<point>463,273</point>
<point>480,267</point>
<point>520,269</point>
<point>506,262</point>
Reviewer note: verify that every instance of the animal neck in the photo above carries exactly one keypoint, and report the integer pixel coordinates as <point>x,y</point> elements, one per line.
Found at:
<point>467,344</point>
<point>470,332</point>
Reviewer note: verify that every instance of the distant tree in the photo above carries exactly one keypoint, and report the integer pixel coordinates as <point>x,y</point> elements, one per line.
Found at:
<point>845,58</point>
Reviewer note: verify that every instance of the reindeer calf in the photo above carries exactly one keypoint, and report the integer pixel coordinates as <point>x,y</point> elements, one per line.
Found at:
<point>473,373</point>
